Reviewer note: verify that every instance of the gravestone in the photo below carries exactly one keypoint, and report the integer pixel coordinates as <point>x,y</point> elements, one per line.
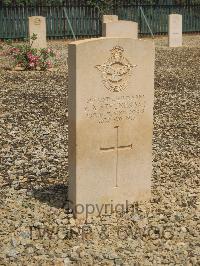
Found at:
<point>109,18</point>
<point>111,87</point>
<point>120,28</point>
<point>175,30</point>
<point>37,25</point>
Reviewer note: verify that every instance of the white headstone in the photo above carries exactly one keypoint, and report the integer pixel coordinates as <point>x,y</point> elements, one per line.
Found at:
<point>175,30</point>
<point>111,88</point>
<point>37,25</point>
<point>109,18</point>
<point>121,28</point>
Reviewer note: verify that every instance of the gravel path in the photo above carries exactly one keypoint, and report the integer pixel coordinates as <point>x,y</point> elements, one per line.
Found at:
<point>35,226</point>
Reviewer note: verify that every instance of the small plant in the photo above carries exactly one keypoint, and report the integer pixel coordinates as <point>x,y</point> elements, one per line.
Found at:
<point>46,58</point>
<point>29,58</point>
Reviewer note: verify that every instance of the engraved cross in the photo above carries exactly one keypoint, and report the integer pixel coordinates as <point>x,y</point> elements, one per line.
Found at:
<point>117,148</point>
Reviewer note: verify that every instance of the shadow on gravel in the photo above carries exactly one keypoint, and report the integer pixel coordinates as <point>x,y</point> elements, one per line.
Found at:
<point>54,195</point>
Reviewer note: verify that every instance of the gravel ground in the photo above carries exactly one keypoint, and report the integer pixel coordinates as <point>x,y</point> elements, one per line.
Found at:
<point>35,226</point>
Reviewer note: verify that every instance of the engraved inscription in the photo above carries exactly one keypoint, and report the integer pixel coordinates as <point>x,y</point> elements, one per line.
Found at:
<point>108,109</point>
<point>116,71</point>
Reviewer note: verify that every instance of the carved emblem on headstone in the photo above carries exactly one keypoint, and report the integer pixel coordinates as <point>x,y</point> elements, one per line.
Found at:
<point>116,71</point>
<point>37,21</point>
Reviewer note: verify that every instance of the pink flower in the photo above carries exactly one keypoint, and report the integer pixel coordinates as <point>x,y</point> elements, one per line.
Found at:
<point>32,58</point>
<point>49,64</point>
<point>31,64</point>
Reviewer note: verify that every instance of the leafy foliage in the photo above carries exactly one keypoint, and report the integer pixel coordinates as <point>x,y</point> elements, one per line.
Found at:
<point>32,2</point>
<point>104,3</point>
<point>101,4</point>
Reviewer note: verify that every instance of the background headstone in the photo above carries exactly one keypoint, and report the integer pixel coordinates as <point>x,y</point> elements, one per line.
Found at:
<point>175,30</point>
<point>37,25</point>
<point>120,28</point>
<point>109,18</point>
<point>111,87</point>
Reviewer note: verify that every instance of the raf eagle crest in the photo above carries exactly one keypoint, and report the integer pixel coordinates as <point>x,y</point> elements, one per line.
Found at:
<point>116,71</point>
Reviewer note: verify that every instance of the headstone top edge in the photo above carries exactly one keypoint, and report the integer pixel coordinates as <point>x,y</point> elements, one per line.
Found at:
<point>174,14</point>
<point>79,42</point>
<point>122,21</point>
<point>36,17</point>
<point>109,15</point>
